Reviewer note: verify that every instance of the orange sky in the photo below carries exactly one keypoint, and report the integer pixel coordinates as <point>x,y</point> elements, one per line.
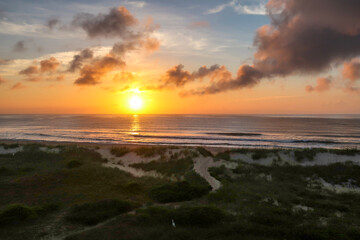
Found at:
<point>163,51</point>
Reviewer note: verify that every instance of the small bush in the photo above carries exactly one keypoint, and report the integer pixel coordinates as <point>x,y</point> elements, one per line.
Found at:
<point>305,154</point>
<point>177,192</point>
<point>119,151</point>
<point>93,213</point>
<point>225,194</point>
<point>204,152</point>
<point>73,164</point>
<point>223,155</point>
<point>260,154</point>
<point>9,146</point>
<point>16,213</point>
<point>133,187</point>
<point>203,216</point>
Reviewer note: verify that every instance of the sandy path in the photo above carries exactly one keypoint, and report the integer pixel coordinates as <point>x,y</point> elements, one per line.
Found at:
<point>202,165</point>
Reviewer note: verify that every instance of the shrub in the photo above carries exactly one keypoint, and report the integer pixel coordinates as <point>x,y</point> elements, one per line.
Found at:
<point>9,146</point>
<point>73,164</point>
<point>93,213</point>
<point>259,154</point>
<point>223,155</point>
<point>301,155</point>
<point>204,152</point>
<point>177,192</point>
<point>16,213</point>
<point>119,151</point>
<point>133,187</point>
<point>203,216</point>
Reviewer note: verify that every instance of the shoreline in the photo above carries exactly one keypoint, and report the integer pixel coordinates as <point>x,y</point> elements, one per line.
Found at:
<point>137,145</point>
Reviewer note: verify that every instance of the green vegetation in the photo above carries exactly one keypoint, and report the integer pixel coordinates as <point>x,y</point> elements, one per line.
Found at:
<point>177,192</point>
<point>223,155</point>
<point>204,152</point>
<point>119,151</point>
<point>44,195</point>
<point>9,146</point>
<point>168,168</point>
<point>73,164</point>
<point>19,213</point>
<point>305,154</point>
<point>93,213</point>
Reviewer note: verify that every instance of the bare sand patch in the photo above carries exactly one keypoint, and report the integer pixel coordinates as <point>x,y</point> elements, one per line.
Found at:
<point>10,150</point>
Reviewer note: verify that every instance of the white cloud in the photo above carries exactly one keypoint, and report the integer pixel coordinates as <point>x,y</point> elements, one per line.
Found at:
<point>252,10</point>
<point>138,4</point>
<point>259,9</point>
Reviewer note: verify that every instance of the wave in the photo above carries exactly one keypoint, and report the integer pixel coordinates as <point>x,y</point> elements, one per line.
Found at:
<point>236,134</point>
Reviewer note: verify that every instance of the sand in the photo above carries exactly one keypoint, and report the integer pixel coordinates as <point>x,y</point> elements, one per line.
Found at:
<point>201,163</point>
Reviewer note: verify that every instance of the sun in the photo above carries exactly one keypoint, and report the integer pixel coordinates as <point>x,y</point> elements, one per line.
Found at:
<point>135,103</point>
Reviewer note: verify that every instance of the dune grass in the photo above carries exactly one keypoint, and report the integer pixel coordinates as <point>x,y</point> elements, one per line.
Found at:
<point>93,213</point>
<point>250,205</point>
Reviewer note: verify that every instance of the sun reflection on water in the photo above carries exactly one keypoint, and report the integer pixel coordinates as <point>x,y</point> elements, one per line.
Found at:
<point>135,125</point>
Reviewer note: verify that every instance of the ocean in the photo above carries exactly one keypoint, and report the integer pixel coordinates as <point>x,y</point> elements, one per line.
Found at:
<point>266,131</point>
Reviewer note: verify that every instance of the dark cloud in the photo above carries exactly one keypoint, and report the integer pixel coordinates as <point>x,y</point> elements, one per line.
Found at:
<point>51,23</point>
<point>17,86</point>
<point>304,37</point>
<point>20,46</point>
<point>91,74</point>
<point>247,77</point>
<point>49,65</point>
<point>78,59</point>
<point>116,23</point>
<point>29,71</point>
<point>322,85</point>
<point>119,23</point>
<point>36,74</point>
<point>177,76</point>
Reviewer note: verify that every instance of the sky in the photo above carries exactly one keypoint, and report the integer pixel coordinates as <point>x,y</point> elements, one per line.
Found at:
<point>180,57</point>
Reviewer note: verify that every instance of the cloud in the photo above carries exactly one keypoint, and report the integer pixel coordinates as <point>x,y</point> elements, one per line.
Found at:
<point>119,23</point>
<point>247,77</point>
<point>322,85</point>
<point>199,24</point>
<point>116,23</point>
<point>151,44</point>
<point>138,4</point>
<point>91,74</point>
<point>20,46</point>
<point>259,9</point>
<point>78,59</point>
<point>5,61</point>
<point>299,40</point>
<point>49,65</point>
<point>177,76</point>
<point>351,70</point>
<point>29,70</point>
<point>17,86</point>
<point>46,65</point>
<point>51,23</point>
